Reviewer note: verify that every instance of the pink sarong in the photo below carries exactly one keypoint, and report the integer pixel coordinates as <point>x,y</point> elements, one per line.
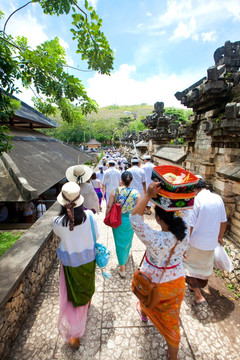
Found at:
<point>71,320</point>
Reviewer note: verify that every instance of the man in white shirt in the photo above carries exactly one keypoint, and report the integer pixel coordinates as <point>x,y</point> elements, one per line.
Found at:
<point>111,179</point>
<point>208,223</point>
<point>148,168</point>
<point>139,181</point>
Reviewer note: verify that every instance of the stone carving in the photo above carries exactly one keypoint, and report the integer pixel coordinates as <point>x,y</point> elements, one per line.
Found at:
<point>214,90</point>
<point>229,55</point>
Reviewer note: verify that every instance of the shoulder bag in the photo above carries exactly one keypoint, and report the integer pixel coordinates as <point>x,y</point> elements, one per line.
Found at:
<point>102,253</point>
<point>144,289</point>
<point>113,218</point>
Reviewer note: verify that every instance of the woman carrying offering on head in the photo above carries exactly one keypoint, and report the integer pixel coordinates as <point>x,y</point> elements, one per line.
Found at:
<point>76,253</point>
<point>123,234</point>
<point>171,238</point>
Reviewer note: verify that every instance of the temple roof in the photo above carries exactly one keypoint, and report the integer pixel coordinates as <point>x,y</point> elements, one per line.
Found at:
<point>35,164</point>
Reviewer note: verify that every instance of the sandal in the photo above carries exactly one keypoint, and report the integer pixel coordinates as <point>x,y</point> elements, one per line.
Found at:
<point>195,303</point>
<point>143,318</point>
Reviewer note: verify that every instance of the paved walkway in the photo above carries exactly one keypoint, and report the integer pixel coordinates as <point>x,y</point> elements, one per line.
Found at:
<point>114,329</point>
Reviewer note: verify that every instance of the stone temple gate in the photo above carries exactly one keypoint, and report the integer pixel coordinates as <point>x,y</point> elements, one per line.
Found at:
<point>212,135</point>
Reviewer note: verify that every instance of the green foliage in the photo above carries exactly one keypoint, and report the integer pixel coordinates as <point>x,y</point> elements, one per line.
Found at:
<point>140,125</point>
<point>44,66</point>
<point>7,239</point>
<point>7,108</point>
<point>92,44</point>
<point>182,114</point>
<point>5,140</point>
<point>113,107</point>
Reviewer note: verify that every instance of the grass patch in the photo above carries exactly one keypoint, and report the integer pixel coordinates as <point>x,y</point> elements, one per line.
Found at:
<point>7,239</point>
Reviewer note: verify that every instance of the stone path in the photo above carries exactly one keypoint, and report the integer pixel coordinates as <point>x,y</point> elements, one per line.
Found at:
<point>114,329</point>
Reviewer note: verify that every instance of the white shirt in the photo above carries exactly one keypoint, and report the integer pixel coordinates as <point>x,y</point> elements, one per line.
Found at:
<point>159,245</point>
<point>206,217</point>
<point>138,178</point>
<point>111,180</point>
<point>100,175</point>
<point>76,247</point>
<point>148,168</point>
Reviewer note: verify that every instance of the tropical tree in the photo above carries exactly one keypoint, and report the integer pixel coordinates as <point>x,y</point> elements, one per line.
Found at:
<point>44,67</point>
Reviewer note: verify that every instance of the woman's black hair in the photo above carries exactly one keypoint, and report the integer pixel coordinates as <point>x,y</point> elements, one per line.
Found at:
<point>79,216</point>
<point>94,176</point>
<point>127,177</point>
<point>176,224</point>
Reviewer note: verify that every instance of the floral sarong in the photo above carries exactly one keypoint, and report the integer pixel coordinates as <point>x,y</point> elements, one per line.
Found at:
<point>165,316</point>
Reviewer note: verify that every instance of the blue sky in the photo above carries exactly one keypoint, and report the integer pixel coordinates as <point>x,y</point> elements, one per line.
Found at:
<point>161,46</point>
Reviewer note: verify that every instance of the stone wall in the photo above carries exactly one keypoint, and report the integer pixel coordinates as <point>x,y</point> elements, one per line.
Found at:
<point>24,269</point>
<point>232,279</point>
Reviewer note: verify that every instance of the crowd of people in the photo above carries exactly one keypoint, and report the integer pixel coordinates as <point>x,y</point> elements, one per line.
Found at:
<point>186,246</point>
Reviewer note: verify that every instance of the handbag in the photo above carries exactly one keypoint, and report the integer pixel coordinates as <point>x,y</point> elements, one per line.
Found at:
<point>102,253</point>
<point>143,287</point>
<point>113,218</point>
<point>221,259</point>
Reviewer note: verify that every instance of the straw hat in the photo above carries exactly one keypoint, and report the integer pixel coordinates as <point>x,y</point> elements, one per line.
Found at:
<point>79,173</point>
<point>70,193</point>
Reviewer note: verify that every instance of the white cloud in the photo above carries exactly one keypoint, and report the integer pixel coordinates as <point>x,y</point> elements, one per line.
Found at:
<point>209,36</point>
<point>186,30</point>
<point>29,27</point>
<point>63,43</point>
<point>192,18</point>
<point>121,89</point>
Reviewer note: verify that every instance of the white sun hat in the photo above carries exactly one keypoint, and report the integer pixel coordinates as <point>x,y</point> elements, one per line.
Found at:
<point>70,193</point>
<point>79,173</point>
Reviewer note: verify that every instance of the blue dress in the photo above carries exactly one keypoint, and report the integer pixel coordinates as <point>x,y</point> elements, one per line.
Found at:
<point>124,233</point>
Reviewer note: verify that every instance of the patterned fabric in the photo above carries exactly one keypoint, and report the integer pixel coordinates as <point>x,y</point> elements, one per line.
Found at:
<point>159,245</point>
<point>131,200</point>
<point>165,316</point>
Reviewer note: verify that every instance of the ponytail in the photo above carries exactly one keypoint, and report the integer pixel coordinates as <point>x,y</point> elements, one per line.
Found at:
<point>175,223</point>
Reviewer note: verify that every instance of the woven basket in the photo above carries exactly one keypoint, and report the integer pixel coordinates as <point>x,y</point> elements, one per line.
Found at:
<point>169,201</point>
<point>187,184</point>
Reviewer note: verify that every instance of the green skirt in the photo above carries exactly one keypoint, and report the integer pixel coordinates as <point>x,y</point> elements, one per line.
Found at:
<point>80,283</point>
<point>123,239</point>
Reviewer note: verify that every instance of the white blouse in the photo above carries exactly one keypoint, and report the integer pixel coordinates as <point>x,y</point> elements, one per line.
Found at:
<point>159,245</point>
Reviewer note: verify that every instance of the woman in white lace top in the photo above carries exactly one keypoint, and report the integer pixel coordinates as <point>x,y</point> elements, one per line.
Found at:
<point>159,243</point>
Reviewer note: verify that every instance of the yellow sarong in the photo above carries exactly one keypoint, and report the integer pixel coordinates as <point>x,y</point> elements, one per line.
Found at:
<point>165,315</point>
